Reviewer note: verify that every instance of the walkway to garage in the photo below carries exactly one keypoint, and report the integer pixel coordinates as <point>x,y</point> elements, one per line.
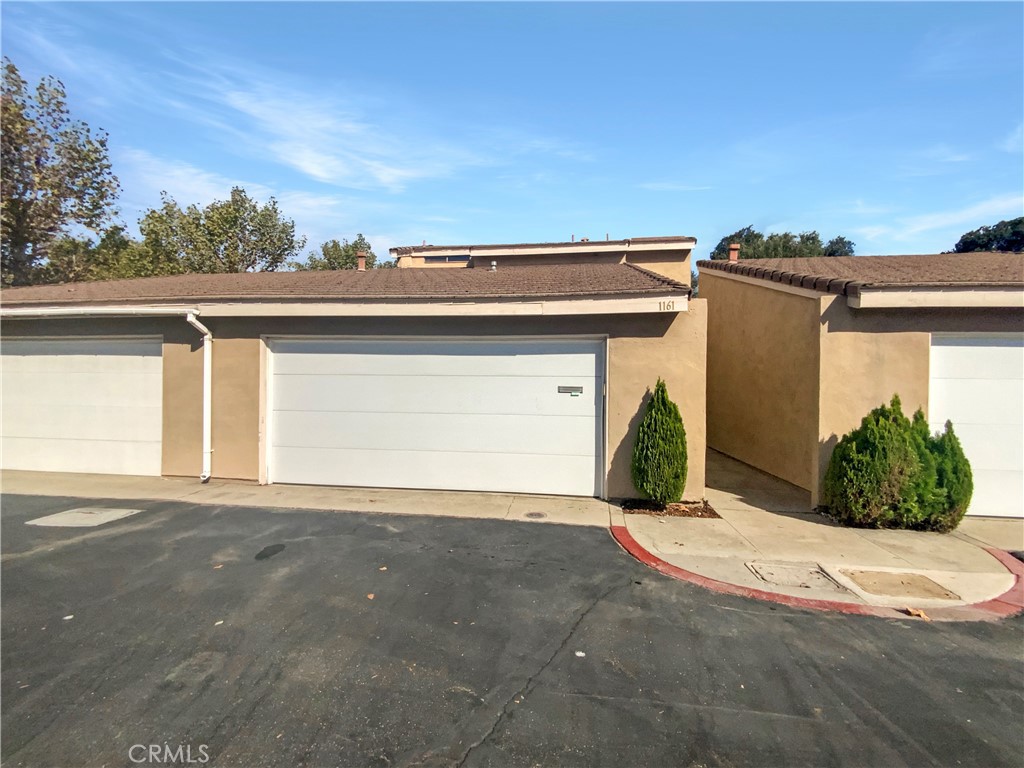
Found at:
<point>769,540</point>
<point>492,506</point>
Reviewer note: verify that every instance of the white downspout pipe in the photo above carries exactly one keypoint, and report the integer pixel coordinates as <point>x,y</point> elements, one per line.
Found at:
<point>207,396</point>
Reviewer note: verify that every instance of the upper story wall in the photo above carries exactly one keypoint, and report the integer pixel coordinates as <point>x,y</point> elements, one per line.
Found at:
<point>669,257</point>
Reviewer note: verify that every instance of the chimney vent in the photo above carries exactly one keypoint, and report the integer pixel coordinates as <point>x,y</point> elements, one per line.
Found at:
<point>361,258</point>
<point>494,266</point>
<point>734,252</point>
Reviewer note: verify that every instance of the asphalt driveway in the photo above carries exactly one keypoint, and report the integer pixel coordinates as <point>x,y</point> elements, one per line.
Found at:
<point>484,643</point>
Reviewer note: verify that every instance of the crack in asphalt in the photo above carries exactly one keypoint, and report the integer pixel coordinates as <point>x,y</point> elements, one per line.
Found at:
<point>530,683</point>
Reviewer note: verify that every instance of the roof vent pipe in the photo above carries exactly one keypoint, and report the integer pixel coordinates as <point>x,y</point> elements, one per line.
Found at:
<point>734,252</point>
<point>361,259</point>
<point>494,266</point>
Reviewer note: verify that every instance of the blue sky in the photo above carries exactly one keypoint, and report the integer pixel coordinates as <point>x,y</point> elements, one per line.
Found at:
<point>895,124</point>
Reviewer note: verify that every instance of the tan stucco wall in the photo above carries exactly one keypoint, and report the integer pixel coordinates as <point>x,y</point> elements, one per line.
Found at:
<point>867,356</point>
<point>789,374</point>
<point>182,376</point>
<point>417,262</point>
<point>762,376</point>
<point>675,265</point>
<point>236,407</point>
<point>641,348</point>
<point>634,364</point>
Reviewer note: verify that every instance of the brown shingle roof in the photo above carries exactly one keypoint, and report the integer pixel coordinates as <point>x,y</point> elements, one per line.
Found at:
<point>563,280</point>
<point>848,275</point>
<point>575,245</point>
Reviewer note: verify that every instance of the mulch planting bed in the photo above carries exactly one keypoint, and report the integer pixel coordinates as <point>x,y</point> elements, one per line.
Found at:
<point>680,509</point>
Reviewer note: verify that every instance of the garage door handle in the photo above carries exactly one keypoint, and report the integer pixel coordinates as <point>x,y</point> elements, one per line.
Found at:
<point>570,390</point>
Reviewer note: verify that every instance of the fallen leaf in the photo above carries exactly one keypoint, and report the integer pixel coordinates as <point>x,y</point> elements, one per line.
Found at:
<point>218,565</point>
<point>917,612</point>
<point>370,596</point>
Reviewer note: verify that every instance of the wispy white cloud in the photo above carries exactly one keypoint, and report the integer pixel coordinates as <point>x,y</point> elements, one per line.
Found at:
<point>671,186</point>
<point>934,232</point>
<point>872,233</point>
<point>147,175</point>
<point>338,144</point>
<point>1014,140</point>
<point>943,153</point>
<point>974,215</point>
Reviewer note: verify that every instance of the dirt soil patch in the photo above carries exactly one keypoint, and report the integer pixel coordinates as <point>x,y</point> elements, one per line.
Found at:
<point>677,509</point>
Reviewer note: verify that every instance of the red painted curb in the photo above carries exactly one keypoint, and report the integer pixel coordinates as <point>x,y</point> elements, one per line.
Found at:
<point>1006,604</point>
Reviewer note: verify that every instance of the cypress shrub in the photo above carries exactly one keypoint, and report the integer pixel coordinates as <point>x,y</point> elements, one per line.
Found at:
<point>954,476</point>
<point>925,497</point>
<point>891,472</point>
<point>872,469</point>
<point>659,455</point>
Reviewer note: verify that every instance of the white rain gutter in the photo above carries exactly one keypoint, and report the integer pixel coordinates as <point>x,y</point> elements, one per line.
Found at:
<point>190,317</point>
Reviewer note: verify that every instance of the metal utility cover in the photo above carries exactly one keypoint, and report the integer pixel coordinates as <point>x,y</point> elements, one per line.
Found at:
<point>803,575</point>
<point>83,517</point>
<point>899,584</point>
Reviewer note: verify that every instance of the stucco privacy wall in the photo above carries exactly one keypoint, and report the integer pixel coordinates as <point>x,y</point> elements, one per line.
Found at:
<point>762,376</point>
<point>182,376</point>
<point>641,348</point>
<point>868,355</point>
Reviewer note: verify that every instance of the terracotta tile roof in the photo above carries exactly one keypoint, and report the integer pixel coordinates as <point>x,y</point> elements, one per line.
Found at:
<point>574,245</point>
<point>512,282</point>
<point>848,275</point>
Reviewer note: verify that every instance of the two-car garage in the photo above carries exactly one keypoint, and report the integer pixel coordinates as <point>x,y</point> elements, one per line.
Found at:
<point>516,415</point>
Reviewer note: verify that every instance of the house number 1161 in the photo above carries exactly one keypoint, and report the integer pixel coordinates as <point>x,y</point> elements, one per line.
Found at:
<point>666,306</point>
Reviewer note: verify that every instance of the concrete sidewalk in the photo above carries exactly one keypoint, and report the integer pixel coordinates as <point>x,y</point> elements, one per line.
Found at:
<point>490,506</point>
<point>768,541</point>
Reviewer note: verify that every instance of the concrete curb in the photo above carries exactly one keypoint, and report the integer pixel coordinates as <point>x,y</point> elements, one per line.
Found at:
<point>1006,604</point>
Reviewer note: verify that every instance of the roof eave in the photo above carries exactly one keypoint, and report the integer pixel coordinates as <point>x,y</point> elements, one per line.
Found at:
<point>936,297</point>
<point>667,301</point>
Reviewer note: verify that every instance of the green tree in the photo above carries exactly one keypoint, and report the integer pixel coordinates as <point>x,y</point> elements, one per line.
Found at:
<point>56,174</point>
<point>338,255</point>
<point>1004,236</point>
<point>659,454</point>
<point>781,245</point>
<point>839,246</point>
<point>234,235</point>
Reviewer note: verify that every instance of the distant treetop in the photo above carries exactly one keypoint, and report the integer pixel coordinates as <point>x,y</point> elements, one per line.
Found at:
<point>1004,236</point>
<point>779,245</point>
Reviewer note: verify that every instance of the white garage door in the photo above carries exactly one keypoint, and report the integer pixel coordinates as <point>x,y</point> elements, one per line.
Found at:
<point>977,382</point>
<point>81,405</point>
<point>517,416</point>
